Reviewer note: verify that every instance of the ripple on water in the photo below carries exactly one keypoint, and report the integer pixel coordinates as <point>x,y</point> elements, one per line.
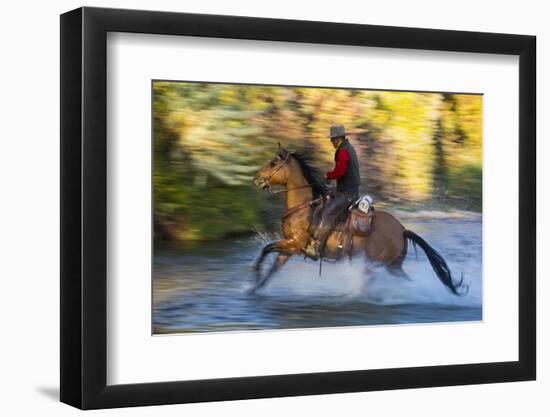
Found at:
<point>204,288</point>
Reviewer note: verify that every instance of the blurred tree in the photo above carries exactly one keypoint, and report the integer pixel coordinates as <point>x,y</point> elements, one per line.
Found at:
<point>416,149</point>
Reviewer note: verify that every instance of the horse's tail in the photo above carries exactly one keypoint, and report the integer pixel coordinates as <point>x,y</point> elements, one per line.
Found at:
<point>438,264</point>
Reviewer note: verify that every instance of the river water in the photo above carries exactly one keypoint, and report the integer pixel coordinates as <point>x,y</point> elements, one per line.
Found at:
<point>204,287</point>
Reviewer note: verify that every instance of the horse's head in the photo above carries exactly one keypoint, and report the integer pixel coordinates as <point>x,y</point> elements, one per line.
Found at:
<point>275,172</point>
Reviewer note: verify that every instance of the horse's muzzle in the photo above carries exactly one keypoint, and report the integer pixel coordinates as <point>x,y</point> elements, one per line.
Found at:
<point>261,183</point>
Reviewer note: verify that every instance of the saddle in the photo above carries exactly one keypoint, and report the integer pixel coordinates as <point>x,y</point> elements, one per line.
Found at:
<point>357,220</point>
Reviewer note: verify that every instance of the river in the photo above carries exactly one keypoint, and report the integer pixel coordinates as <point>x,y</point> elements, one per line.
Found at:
<point>204,287</point>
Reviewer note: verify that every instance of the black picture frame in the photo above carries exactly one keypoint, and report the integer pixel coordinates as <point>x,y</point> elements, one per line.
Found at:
<point>84,207</point>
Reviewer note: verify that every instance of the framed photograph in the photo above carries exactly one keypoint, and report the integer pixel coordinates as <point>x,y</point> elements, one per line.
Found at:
<point>257,208</point>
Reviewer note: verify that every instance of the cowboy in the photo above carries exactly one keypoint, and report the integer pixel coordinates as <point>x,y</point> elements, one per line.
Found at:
<point>346,174</point>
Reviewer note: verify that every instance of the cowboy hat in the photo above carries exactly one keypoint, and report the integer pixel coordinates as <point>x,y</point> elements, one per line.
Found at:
<point>337,131</point>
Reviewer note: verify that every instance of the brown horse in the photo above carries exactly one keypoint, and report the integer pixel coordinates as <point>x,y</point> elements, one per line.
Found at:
<point>386,243</point>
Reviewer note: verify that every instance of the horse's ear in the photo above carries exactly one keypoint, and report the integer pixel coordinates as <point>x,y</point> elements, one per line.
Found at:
<point>281,152</point>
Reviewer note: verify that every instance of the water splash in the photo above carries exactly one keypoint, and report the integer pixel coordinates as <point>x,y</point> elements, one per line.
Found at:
<point>371,283</point>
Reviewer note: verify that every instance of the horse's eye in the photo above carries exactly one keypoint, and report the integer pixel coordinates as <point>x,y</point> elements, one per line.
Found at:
<point>273,163</point>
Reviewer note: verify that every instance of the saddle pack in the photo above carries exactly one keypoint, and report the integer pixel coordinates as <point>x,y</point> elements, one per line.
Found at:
<point>359,222</point>
<point>361,216</point>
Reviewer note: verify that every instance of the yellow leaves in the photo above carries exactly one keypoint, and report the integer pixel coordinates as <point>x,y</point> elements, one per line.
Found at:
<point>229,129</point>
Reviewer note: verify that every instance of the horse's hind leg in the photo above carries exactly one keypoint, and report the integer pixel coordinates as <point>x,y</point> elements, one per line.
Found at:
<point>396,270</point>
<point>277,264</point>
<point>396,267</point>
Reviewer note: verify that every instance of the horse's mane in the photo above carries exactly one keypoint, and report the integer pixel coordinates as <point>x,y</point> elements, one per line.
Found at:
<point>312,174</point>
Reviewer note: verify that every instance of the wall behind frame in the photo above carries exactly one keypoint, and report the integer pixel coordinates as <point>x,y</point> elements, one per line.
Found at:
<point>30,208</point>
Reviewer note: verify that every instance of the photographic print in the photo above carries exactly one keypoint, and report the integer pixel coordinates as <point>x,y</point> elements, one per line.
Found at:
<point>293,207</point>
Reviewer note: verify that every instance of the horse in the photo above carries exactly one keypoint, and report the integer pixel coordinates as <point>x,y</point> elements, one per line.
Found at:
<point>386,243</point>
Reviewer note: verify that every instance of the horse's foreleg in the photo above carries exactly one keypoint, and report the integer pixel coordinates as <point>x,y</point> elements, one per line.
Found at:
<point>277,264</point>
<point>284,246</point>
<point>266,250</point>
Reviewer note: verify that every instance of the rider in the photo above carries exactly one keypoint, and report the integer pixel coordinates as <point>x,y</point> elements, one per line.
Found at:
<point>346,174</point>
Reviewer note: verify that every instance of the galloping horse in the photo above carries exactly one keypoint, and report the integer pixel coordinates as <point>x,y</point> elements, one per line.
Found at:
<point>386,243</point>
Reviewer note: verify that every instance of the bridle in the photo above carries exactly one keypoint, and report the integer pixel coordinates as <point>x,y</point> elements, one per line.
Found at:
<point>298,207</point>
<point>274,171</point>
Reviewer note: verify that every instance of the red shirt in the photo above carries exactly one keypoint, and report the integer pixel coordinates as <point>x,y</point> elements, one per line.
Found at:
<point>342,163</point>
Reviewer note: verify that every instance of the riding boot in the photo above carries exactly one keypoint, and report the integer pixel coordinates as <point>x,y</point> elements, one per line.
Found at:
<point>311,250</point>
<point>322,229</point>
<point>316,244</point>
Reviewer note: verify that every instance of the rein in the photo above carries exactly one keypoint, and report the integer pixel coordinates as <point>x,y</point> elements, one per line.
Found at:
<point>285,190</point>
<point>299,207</point>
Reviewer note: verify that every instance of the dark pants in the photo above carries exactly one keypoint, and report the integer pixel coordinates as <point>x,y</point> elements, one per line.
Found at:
<point>334,211</point>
